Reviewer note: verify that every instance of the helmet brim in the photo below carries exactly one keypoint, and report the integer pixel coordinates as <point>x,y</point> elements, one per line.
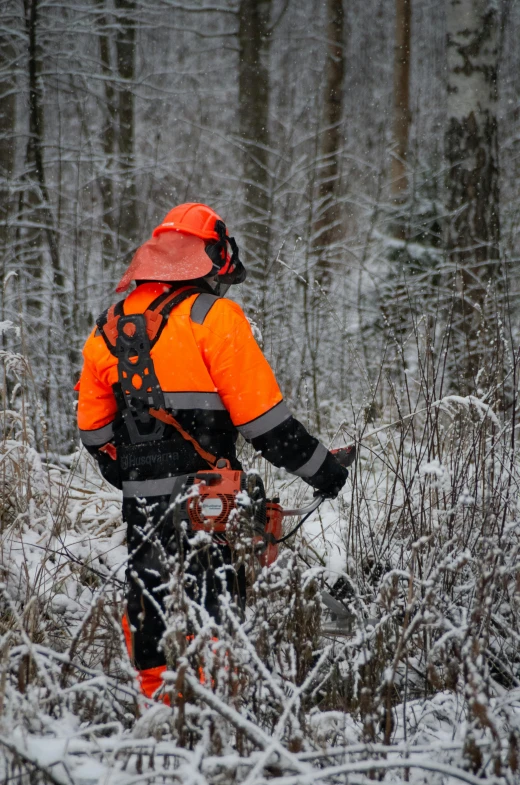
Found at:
<point>171,256</point>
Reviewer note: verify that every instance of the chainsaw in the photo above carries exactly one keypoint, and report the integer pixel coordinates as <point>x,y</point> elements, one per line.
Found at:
<point>222,490</point>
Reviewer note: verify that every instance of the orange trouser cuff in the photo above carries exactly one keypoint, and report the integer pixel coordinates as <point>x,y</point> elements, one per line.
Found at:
<point>150,681</point>
<point>127,632</point>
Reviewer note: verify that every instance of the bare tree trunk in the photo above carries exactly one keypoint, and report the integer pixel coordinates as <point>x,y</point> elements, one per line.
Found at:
<point>39,188</point>
<point>36,193</point>
<point>35,142</point>
<point>253,91</point>
<point>7,149</point>
<point>36,198</point>
<point>403,24</point>
<point>7,128</point>
<point>473,192</point>
<point>125,50</point>
<point>328,226</point>
<point>108,141</point>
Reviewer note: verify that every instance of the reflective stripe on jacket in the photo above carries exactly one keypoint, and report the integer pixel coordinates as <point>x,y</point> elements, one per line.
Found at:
<point>216,365</point>
<point>215,379</point>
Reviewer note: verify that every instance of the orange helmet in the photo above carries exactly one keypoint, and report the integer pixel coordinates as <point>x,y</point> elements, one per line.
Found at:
<point>191,242</point>
<point>192,218</point>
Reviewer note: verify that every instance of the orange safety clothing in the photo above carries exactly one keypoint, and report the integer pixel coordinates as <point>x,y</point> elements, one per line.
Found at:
<point>172,255</point>
<point>127,632</point>
<point>150,681</point>
<point>212,365</point>
<point>191,242</point>
<point>214,382</point>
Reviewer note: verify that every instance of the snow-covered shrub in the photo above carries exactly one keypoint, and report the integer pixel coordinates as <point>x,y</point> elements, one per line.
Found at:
<point>424,679</point>
<point>431,544</point>
<point>60,592</point>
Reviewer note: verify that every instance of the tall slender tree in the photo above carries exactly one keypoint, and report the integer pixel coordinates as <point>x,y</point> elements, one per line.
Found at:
<point>7,118</point>
<point>473,230</point>
<point>328,228</point>
<point>401,124</point>
<point>108,139</point>
<point>37,191</point>
<point>8,94</point>
<point>254,35</point>
<point>125,52</point>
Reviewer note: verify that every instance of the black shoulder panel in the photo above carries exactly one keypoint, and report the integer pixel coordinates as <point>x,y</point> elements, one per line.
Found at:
<point>202,306</point>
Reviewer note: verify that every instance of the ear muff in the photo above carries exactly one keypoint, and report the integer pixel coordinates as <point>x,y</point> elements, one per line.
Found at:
<point>228,266</point>
<point>237,274</point>
<point>216,251</point>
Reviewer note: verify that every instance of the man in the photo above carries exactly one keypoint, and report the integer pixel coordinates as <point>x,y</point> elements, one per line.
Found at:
<point>171,375</point>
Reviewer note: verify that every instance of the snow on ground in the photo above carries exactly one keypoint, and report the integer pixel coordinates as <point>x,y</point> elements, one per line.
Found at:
<point>425,687</point>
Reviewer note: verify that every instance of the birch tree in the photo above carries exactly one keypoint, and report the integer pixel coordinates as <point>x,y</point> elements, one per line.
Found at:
<point>471,143</point>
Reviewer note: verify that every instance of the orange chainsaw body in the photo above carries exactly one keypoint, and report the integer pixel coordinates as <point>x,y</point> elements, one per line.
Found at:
<point>273,532</point>
<point>217,491</point>
<point>210,509</point>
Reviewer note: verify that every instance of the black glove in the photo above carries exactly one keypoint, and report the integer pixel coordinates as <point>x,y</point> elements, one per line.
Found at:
<point>330,478</point>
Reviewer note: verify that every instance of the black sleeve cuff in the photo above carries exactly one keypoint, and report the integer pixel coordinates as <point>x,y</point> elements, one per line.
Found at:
<point>107,466</point>
<point>290,445</point>
<point>330,477</point>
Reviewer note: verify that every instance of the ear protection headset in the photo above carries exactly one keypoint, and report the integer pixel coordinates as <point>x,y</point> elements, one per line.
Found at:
<point>227,266</point>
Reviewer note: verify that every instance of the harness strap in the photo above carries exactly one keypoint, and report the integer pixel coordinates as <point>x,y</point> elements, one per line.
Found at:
<point>143,331</point>
<point>156,316</point>
<point>108,326</point>
<point>159,310</point>
<point>161,414</point>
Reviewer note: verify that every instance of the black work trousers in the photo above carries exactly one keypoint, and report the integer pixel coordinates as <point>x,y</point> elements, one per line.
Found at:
<point>154,537</point>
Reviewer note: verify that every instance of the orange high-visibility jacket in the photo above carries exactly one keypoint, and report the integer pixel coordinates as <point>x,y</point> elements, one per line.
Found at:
<point>209,364</point>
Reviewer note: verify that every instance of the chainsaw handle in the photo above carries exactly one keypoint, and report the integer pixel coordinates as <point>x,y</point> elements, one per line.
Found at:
<point>345,455</point>
<point>305,510</point>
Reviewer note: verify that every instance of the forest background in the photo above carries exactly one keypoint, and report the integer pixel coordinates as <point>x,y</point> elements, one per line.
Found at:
<point>365,156</point>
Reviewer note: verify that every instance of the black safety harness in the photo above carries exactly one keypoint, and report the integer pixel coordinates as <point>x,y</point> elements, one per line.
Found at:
<point>139,395</point>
